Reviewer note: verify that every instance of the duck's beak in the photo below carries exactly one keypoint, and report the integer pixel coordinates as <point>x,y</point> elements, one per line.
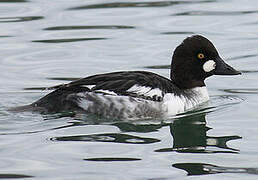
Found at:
<point>224,69</point>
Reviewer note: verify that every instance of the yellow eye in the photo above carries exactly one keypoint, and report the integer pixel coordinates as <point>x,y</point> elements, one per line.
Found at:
<point>200,55</point>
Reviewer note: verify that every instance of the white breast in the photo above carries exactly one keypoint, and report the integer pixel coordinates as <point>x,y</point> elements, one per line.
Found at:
<point>173,104</point>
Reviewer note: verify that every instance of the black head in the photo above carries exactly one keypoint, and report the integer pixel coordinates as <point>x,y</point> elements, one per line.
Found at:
<point>194,60</point>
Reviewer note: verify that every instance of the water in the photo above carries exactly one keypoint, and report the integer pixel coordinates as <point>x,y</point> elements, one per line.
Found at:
<point>45,43</point>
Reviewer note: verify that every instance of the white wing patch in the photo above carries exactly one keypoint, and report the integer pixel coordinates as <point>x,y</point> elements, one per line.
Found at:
<point>88,86</point>
<point>105,92</point>
<point>139,89</point>
<point>146,91</point>
<point>99,90</point>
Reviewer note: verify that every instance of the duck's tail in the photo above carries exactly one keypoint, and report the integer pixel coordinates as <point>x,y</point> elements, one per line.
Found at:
<point>21,108</point>
<point>30,107</point>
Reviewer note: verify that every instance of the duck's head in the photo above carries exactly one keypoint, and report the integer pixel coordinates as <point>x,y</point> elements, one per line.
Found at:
<point>194,60</point>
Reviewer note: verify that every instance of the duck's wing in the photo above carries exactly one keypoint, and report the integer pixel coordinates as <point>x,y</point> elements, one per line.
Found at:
<point>141,84</point>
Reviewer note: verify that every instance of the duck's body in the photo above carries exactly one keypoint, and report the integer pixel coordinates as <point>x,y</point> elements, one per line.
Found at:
<point>141,94</point>
<point>130,94</point>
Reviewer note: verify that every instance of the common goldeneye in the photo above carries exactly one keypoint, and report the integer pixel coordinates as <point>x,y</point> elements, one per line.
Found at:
<point>141,94</point>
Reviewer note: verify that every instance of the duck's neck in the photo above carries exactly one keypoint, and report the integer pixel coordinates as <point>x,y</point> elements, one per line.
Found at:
<point>185,81</point>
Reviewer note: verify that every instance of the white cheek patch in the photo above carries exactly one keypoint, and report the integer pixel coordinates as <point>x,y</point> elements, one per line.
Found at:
<point>209,66</point>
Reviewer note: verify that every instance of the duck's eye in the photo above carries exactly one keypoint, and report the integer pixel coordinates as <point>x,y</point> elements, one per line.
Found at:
<point>200,55</point>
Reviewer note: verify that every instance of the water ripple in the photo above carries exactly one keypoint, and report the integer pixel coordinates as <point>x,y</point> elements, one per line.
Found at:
<point>243,56</point>
<point>112,159</point>
<point>213,13</point>
<point>179,32</point>
<point>14,176</point>
<point>5,36</point>
<point>158,67</point>
<point>137,4</point>
<point>19,19</point>
<point>13,1</point>
<point>249,71</point>
<point>68,40</point>
<point>88,27</point>
<point>63,78</point>
<point>242,91</point>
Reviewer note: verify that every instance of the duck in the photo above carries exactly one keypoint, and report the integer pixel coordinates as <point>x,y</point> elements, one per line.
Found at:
<point>141,94</point>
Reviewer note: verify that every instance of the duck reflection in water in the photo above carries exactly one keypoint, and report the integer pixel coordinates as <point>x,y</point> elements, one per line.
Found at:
<point>205,169</point>
<point>190,136</point>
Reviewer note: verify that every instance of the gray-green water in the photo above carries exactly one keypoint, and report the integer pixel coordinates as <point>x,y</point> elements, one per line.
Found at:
<point>45,43</point>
